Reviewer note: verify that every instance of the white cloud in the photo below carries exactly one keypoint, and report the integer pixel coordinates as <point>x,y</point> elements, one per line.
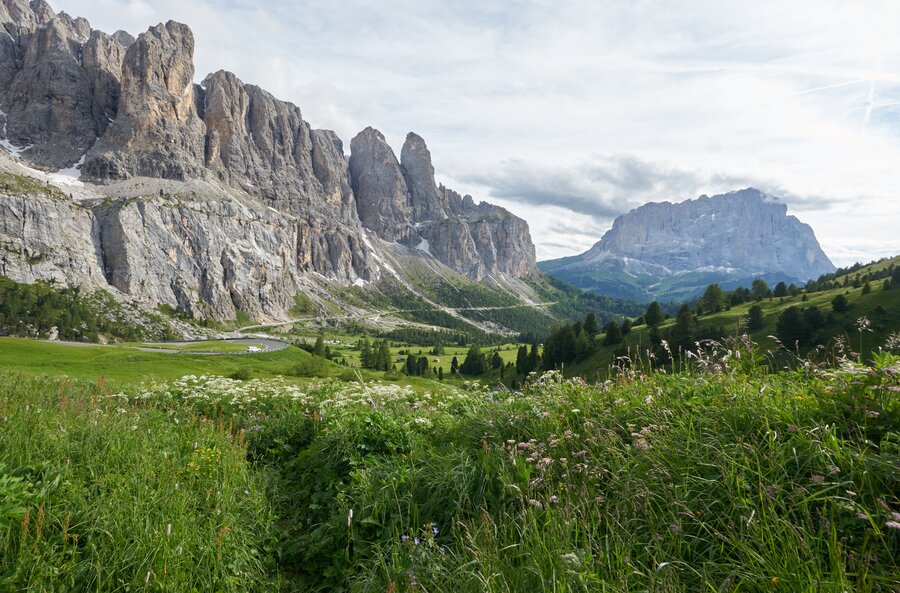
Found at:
<point>542,103</point>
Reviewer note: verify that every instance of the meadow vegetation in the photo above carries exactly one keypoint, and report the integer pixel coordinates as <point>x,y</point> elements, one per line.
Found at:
<point>724,476</point>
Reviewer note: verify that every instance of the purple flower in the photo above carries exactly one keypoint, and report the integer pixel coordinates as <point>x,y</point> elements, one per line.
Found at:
<point>416,541</point>
<point>404,537</point>
<point>434,529</point>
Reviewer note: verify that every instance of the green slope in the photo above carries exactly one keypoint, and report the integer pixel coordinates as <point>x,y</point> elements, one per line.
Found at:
<point>881,307</point>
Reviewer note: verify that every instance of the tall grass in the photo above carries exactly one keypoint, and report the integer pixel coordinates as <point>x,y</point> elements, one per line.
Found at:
<point>722,477</point>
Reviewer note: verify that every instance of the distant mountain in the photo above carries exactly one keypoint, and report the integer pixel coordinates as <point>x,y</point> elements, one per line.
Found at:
<point>671,251</point>
<point>119,172</point>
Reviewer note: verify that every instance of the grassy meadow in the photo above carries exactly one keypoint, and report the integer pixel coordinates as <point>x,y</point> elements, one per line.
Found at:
<point>735,479</point>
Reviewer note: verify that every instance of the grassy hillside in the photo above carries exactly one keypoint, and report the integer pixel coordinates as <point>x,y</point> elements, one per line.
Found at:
<point>880,307</point>
<point>743,480</point>
<point>122,364</point>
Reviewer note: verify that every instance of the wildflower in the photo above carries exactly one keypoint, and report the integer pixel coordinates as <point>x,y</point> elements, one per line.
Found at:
<point>179,550</point>
<point>169,530</point>
<point>434,529</point>
<point>863,324</point>
<point>535,503</point>
<point>892,524</point>
<point>817,479</point>
<point>833,469</point>
<point>349,517</point>
<point>416,541</point>
<point>792,428</point>
<point>247,492</point>
<point>404,537</point>
<point>554,499</point>
<point>862,516</point>
<point>147,578</point>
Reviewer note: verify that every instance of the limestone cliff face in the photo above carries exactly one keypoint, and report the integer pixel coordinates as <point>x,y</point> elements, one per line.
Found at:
<point>214,196</point>
<point>743,230</point>
<point>157,132</point>
<point>673,251</point>
<point>477,240</point>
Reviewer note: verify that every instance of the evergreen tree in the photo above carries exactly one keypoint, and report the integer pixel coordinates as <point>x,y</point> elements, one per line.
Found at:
<point>755,318</point>
<point>684,332</point>
<point>654,314</point>
<point>781,290</point>
<point>590,325</point>
<point>713,299</point>
<point>440,373</point>
<point>422,366</point>
<point>534,359</point>
<point>790,327</point>
<point>496,361</point>
<point>760,289</point>
<point>840,303</point>
<point>411,365</point>
<point>474,362</point>
<point>454,366</point>
<point>319,348</point>
<point>626,327</point>
<point>522,360</point>
<point>613,334</point>
<point>383,362</point>
<point>365,357</point>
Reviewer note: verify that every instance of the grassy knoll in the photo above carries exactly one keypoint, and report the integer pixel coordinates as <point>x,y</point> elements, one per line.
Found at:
<point>740,480</point>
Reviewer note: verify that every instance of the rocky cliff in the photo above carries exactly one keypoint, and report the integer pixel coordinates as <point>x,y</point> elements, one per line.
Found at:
<point>674,250</point>
<point>211,197</point>
<point>478,240</point>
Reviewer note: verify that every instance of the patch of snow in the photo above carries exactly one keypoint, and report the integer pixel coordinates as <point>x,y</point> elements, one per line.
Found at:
<point>423,246</point>
<point>69,176</point>
<point>359,282</point>
<point>8,146</point>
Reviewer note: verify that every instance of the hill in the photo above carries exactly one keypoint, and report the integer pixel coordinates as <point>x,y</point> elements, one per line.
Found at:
<point>838,331</point>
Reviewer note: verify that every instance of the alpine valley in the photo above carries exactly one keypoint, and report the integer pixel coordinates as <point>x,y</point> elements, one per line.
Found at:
<point>219,202</point>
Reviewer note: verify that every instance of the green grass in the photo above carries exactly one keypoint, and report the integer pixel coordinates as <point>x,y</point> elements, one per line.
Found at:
<point>742,481</point>
<point>205,346</point>
<point>122,364</point>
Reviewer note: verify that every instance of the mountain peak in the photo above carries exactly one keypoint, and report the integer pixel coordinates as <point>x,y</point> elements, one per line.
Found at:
<point>730,237</point>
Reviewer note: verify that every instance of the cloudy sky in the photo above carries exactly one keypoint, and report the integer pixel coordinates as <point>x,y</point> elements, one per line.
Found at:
<point>570,112</point>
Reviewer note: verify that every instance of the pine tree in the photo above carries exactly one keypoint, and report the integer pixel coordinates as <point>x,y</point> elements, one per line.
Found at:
<point>590,325</point>
<point>474,363</point>
<point>384,356</point>
<point>654,314</point>
<point>365,357</point>
<point>713,299</point>
<point>319,348</point>
<point>755,318</point>
<point>613,334</point>
<point>454,366</point>
<point>684,332</point>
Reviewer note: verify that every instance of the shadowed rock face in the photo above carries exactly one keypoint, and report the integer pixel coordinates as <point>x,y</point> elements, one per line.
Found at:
<point>475,240</point>
<point>283,201</point>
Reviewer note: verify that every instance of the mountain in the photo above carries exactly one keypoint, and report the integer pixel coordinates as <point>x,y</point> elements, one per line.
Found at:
<point>673,251</point>
<point>217,199</point>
